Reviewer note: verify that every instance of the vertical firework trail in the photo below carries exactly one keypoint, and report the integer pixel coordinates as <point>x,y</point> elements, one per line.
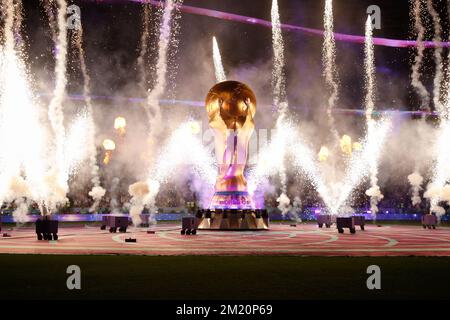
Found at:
<point>329,64</point>
<point>141,61</point>
<point>18,19</point>
<point>59,178</point>
<point>97,191</point>
<point>285,138</point>
<point>415,179</point>
<point>217,59</point>
<point>22,138</point>
<point>369,68</point>
<point>441,170</point>
<point>418,60</point>
<point>437,57</point>
<point>279,101</point>
<point>153,107</point>
<point>370,86</point>
<point>48,6</point>
<point>278,76</point>
<point>144,192</point>
<point>437,190</point>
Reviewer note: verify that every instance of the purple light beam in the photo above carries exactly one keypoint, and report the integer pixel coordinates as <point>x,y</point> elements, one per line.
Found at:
<point>395,43</point>
<point>200,104</point>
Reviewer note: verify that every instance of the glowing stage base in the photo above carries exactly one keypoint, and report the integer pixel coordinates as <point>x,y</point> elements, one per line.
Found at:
<point>232,200</point>
<point>232,211</point>
<point>232,220</point>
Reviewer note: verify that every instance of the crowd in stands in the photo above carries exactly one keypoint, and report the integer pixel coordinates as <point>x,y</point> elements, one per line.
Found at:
<point>397,199</point>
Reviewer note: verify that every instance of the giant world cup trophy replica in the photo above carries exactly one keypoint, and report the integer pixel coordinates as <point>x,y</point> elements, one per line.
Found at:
<point>231,107</point>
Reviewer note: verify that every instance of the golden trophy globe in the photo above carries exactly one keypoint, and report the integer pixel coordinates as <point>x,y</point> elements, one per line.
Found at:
<point>231,108</point>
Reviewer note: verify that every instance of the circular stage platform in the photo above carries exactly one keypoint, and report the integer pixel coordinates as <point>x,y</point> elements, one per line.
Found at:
<point>304,239</point>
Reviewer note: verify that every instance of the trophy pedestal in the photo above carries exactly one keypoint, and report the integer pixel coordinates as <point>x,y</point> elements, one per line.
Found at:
<point>236,200</point>
<point>233,219</point>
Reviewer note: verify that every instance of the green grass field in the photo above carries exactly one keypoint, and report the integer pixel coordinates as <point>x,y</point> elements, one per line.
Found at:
<point>208,277</point>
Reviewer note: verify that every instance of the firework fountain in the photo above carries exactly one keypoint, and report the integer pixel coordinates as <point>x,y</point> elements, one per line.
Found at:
<point>334,193</point>
<point>369,65</point>
<point>329,63</point>
<point>417,12</point>
<point>220,72</point>
<point>31,170</point>
<point>271,159</point>
<point>153,108</point>
<point>22,137</point>
<point>48,6</point>
<point>64,162</point>
<point>439,189</point>
<point>418,61</point>
<point>59,177</point>
<point>182,141</point>
<point>141,61</point>
<point>97,191</point>
<point>437,38</point>
<point>279,101</point>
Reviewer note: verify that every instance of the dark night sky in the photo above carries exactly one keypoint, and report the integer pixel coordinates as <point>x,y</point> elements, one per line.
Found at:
<point>112,31</point>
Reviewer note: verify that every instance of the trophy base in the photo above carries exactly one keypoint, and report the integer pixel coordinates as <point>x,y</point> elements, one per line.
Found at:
<point>233,219</point>
<point>237,200</point>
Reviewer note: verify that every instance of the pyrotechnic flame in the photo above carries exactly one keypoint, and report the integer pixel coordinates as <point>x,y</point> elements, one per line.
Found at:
<point>107,157</point>
<point>109,147</point>
<point>119,124</point>
<point>346,144</point>
<point>324,153</point>
<point>357,146</point>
